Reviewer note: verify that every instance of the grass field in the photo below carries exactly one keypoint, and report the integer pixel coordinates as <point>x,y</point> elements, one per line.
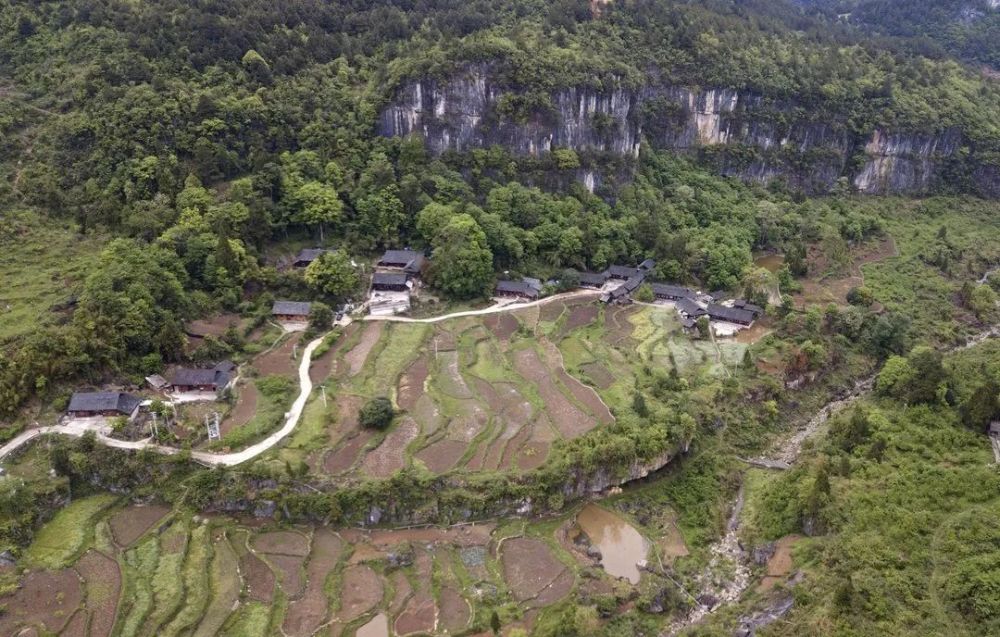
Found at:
<point>40,267</point>
<point>63,539</point>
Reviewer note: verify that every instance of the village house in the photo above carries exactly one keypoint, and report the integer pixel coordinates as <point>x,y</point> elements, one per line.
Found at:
<point>718,312</point>
<point>103,403</point>
<point>647,265</point>
<point>307,256</point>
<point>291,311</point>
<point>409,261</point>
<point>689,309</point>
<point>520,289</point>
<point>216,379</point>
<point>593,279</point>
<point>743,304</point>
<point>390,281</point>
<point>669,292</point>
<point>622,272</point>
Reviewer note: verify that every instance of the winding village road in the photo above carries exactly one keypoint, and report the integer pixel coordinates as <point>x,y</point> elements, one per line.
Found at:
<point>493,309</point>
<point>205,457</point>
<point>77,429</point>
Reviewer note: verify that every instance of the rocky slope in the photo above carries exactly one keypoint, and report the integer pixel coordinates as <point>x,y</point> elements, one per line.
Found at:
<point>739,133</point>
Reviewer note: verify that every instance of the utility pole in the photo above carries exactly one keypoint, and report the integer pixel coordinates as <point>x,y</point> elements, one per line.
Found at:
<point>322,389</point>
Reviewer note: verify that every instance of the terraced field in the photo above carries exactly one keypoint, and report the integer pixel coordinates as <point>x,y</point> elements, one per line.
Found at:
<point>150,570</point>
<point>486,393</point>
<point>491,393</point>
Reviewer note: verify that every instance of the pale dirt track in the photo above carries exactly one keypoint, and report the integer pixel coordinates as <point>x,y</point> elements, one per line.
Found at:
<point>305,383</point>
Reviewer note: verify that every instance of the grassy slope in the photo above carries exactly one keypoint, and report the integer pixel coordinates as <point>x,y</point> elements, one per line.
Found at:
<point>42,263</point>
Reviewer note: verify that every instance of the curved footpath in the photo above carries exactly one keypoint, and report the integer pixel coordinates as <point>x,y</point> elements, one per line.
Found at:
<point>204,457</point>
<point>493,309</point>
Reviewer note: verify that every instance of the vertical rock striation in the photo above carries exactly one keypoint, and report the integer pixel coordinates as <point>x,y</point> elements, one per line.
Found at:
<point>738,133</point>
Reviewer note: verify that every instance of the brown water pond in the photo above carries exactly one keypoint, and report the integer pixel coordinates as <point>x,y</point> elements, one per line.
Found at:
<point>377,627</point>
<point>621,546</point>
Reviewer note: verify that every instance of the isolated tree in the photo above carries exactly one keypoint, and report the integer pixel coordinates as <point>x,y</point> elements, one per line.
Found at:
<point>333,275</point>
<point>463,264</point>
<point>320,316</point>
<point>377,413</point>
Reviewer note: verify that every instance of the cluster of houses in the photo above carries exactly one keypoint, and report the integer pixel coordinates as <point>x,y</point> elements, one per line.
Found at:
<point>397,274</point>
<point>619,282</point>
<point>194,383</point>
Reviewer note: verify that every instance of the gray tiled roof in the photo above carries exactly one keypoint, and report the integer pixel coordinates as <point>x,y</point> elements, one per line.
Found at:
<point>187,376</point>
<point>732,314</point>
<point>103,401</point>
<point>293,308</point>
<point>389,278</point>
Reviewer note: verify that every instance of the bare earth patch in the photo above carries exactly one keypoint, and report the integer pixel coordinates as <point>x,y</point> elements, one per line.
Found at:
<point>307,614</point>
<point>580,314</point>
<point>532,572</point>
<point>281,543</point>
<point>586,396</point>
<point>104,581</point>
<point>259,577</point>
<point>343,457</point>
<point>779,567</point>
<point>243,411</point>
<point>442,455</point>
<point>129,524</point>
<point>390,456</point>
<point>289,570</point>
<point>361,590</point>
<point>503,325</point>
<point>454,612</point>
<point>45,597</point>
<point>279,360</point>
<point>570,421</point>
<point>411,383</point>
<point>77,625</point>
<point>356,358</point>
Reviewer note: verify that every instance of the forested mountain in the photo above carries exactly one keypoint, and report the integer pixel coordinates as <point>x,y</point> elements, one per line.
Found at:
<point>969,29</point>
<point>199,133</point>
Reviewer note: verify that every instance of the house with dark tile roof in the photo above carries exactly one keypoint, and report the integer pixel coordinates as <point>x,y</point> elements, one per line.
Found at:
<point>291,310</point>
<point>103,403</point>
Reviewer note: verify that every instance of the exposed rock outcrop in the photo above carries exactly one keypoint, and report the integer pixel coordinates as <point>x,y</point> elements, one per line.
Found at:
<point>739,133</point>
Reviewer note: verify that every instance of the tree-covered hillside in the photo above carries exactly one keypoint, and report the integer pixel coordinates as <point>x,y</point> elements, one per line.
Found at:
<point>201,141</point>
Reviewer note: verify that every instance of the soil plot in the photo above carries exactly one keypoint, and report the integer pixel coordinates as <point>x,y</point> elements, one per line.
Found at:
<point>104,581</point>
<point>129,524</point>
<point>532,572</point>
<point>45,597</point>
<point>307,614</point>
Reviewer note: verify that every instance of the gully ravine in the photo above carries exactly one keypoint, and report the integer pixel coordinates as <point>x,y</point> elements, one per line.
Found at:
<point>728,550</point>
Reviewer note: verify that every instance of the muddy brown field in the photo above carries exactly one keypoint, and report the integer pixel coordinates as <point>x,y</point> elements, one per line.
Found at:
<point>411,384</point>
<point>289,570</point>
<point>279,360</point>
<point>129,524</point>
<point>533,573</point>
<point>503,325</point>
<point>306,614</point>
<point>361,590</point>
<point>454,611</point>
<point>104,581</point>
<point>243,411</point>
<point>281,543</point>
<point>390,456</point>
<point>598,374</point>
<point>570,421</point>
<point>356,357</point>
<point>442,455</point>
<point>45,597</point>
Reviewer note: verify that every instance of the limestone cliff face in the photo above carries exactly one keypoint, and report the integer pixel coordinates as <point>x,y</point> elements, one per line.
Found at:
<point>739,133</point>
